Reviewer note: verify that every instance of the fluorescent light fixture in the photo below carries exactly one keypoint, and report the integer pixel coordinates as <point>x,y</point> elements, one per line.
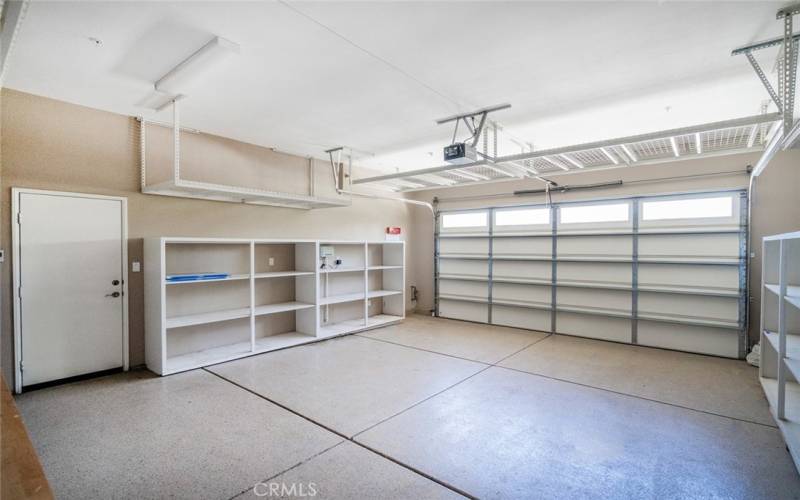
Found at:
<point>698,143</point>
<point>674,144</point>
<point>181,79</point>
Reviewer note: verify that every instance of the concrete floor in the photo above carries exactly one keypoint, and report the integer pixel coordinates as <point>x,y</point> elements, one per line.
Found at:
<point>427,409</point>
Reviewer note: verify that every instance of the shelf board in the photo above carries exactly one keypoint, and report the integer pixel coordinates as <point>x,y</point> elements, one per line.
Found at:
<point>342,270</point>
<point>281,340</point>
<point>384,268</point>
<point>357,325</point>
<point>382,319</point>
<point>238,194</point>
<point>338,299</point>
<point>208,317</point>
<point>341,328</point>
<point>792,356</point>
<point>233,351</point>
<point>283,274</point>
<point>232,277</point>
<point>207,357</point>
<point>281,307</point>
<point>792,293</point>
<point>382,293</point>
<point>790,427</point>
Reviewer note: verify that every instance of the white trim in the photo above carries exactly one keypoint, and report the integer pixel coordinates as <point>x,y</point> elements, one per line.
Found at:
<point>17,278</point>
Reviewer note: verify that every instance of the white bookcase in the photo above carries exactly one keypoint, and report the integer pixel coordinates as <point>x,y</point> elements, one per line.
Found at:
<point>275,295</point>
<point>780,334</point>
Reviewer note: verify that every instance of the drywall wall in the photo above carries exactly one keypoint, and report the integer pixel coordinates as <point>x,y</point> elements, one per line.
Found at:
<point>776,208</point>
<point>48,144</point>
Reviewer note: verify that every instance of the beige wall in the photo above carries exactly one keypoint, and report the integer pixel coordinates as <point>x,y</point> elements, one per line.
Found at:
<point>776,207</point>
<point>48,144</point>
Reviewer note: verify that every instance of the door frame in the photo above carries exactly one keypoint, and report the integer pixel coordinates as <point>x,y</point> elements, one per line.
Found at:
<point>17,277</point>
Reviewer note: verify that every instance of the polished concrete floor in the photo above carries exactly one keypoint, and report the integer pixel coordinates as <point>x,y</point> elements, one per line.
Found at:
<point>427,409</point>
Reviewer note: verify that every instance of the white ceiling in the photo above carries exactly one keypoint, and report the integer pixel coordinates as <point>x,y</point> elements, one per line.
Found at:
<point>374,76</point>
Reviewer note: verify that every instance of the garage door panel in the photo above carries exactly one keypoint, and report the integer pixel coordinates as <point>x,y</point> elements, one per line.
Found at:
<point>595,246</point>
<point>464,246</point>
<point>612,300</point>
<point>531,247</point>
<point>476,268</point>
<point>593,326</point>
<point>462,288</point>
<point>595,272</point>
<point>518,317</point>
<point>698,276</point>
<point>507,269</point>
<point>534,294</point>
<point>664,270</point>
<point>468,311</point>
<point>689,306</point>
<point>703,340</point>
<point>725,246</point>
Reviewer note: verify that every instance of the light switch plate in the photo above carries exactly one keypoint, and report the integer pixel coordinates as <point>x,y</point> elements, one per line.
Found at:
<point>271,261</point>
<point>136,266</point>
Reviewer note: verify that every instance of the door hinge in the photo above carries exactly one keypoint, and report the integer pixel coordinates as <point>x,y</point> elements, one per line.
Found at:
<point>19,217</point>
<point>19,291</point>
<point>21,365</point>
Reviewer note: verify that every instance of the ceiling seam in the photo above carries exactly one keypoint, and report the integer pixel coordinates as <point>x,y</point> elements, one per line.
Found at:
<point>388,63</point>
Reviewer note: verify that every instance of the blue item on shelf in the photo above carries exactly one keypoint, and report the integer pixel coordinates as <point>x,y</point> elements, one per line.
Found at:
<point>197,277</point>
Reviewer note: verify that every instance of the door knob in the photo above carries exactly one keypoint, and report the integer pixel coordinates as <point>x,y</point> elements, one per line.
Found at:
<point>115,282</point>
<point>113,294</point>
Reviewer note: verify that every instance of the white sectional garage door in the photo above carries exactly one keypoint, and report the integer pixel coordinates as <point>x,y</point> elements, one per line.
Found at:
<point>663,271</point>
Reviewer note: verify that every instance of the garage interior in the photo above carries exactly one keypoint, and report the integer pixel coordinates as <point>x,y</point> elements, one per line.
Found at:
<point>399,250</point>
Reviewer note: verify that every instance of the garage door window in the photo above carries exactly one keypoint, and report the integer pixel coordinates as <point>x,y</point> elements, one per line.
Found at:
<point>617,212</point>
<point>688,208</point>
<point>467,219</point>
<point>524,217</point>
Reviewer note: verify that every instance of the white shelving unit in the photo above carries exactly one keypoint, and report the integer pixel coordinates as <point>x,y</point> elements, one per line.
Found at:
<point>780,334</point>
<point>275,295</point>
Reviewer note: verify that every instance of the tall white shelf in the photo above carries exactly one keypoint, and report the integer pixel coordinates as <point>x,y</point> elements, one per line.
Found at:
<point>780,334</point>
<point>275,296</point>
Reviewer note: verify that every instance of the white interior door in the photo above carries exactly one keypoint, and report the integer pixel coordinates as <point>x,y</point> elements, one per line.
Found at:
<point>70,274</point>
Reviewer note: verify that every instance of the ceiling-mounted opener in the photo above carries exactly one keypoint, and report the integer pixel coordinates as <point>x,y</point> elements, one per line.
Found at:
<point>465,152</point>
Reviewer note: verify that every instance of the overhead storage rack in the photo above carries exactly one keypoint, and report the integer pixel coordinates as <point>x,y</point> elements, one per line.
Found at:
<point>742,135</point>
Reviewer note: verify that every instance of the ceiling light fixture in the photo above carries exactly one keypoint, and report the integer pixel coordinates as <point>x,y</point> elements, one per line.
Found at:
<point>183,78</point>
